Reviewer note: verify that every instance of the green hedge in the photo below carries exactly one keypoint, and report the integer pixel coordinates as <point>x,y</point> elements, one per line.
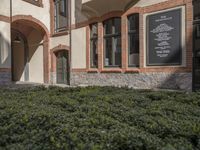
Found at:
<point>98,118</point>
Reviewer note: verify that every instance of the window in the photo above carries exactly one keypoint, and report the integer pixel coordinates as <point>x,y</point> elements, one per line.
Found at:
<point>133,40</point>
<point>196,5</point>
<point>60,15</point>
<point>112,42</point>
<point>93,45</point>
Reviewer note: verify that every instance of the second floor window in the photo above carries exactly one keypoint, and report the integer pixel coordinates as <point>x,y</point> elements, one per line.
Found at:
<point>61,15</point>
<point>112,42</point>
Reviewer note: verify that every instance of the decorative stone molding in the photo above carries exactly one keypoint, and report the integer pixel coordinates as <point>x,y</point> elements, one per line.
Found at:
<point>4,18</point>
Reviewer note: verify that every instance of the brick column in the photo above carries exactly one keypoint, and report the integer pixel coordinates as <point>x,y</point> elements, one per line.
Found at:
<point>124,40</point>
<point>100,46</point>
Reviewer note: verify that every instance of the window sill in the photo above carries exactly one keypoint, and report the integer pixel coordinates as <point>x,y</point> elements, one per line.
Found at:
<point>60,33</point>
<point>134,70</point>
<point>93,70</point>
<point>112,70</point>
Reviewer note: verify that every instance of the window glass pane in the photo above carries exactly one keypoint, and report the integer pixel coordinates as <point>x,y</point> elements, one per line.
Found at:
<point>61,19</point>
<point>196,5</point>
<point>133,50</point>
<point>117,51</point>
<point>112,44</point>
<point>108,52</point>
<point>108,27</point>
<point>94,45</point>
<point>63,8</point>
<point>117,25</point>
<point>94,53</point>
<point>94,31</point>
<point>133,22</point>
<point>134,43</point>
<point>133,40</point>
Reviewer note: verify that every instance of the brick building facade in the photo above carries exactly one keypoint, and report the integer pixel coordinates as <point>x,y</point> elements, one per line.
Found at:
<point>134,43</point>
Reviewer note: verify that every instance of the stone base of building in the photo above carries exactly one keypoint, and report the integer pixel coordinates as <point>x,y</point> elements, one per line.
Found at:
<point>5,78</point>
<point>178,81</point>
<point>52,78</point>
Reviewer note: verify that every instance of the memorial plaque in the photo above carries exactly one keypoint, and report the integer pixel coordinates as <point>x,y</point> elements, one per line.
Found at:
<point>164,46</point>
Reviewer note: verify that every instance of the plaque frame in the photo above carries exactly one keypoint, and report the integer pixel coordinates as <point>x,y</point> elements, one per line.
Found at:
<point>148,63</point>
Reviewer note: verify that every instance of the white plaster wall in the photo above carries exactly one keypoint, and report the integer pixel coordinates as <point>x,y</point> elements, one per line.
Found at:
<point>5,48</point>
<point>41,13</point>
<point>73,11</point>
<point>55,41</point>
<point>5,8</point>
<point>79,48</point>
<point>143,3</point>
<point>36,65</point>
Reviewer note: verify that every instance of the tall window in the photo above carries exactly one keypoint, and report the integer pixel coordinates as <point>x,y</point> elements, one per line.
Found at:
<point>133,40</point>
<point>112,42</point>
<point>196,5</point>
<point>61,15</point>
<point>93,45</point>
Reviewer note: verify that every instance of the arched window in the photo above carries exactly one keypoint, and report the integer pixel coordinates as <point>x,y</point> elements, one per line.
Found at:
<point>133,40</point>
<point>112,42</point>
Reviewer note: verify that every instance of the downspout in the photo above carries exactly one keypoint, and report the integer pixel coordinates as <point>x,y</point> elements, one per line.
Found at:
<point>11,40</point>
<point>70,40</point>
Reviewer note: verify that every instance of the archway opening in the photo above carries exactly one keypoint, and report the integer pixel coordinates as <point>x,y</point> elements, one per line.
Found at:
<point>29,52</point>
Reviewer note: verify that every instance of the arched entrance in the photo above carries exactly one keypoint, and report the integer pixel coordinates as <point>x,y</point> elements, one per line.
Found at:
<point>29,50</point>
<point>60,69</point>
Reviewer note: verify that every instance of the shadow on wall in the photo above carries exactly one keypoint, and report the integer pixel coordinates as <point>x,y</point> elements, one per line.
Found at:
<point>27,56</point>
<point>79,16</point>
<point>4,52</point>
<point>177,80</point>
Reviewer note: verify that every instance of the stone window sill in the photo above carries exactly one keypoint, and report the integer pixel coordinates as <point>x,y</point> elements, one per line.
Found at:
<point>60,33</point>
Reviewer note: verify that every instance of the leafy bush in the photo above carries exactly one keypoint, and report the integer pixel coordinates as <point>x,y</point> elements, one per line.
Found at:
<point>98,118</point>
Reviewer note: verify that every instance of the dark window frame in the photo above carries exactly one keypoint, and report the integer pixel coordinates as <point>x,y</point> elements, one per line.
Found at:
<point>93,39</point>
<point>135,34</point>
<point>112,36</point>
<point>59,11</point>
<point>196,11</point>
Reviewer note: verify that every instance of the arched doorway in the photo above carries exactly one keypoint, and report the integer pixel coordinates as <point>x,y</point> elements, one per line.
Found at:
<point>29,50</point>
<point>60,65</point>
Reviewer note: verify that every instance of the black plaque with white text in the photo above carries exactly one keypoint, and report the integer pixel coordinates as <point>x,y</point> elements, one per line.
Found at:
<point>164,45</point>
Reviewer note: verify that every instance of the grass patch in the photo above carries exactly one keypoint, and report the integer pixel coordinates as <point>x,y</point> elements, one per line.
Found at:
<point>98,118</point>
